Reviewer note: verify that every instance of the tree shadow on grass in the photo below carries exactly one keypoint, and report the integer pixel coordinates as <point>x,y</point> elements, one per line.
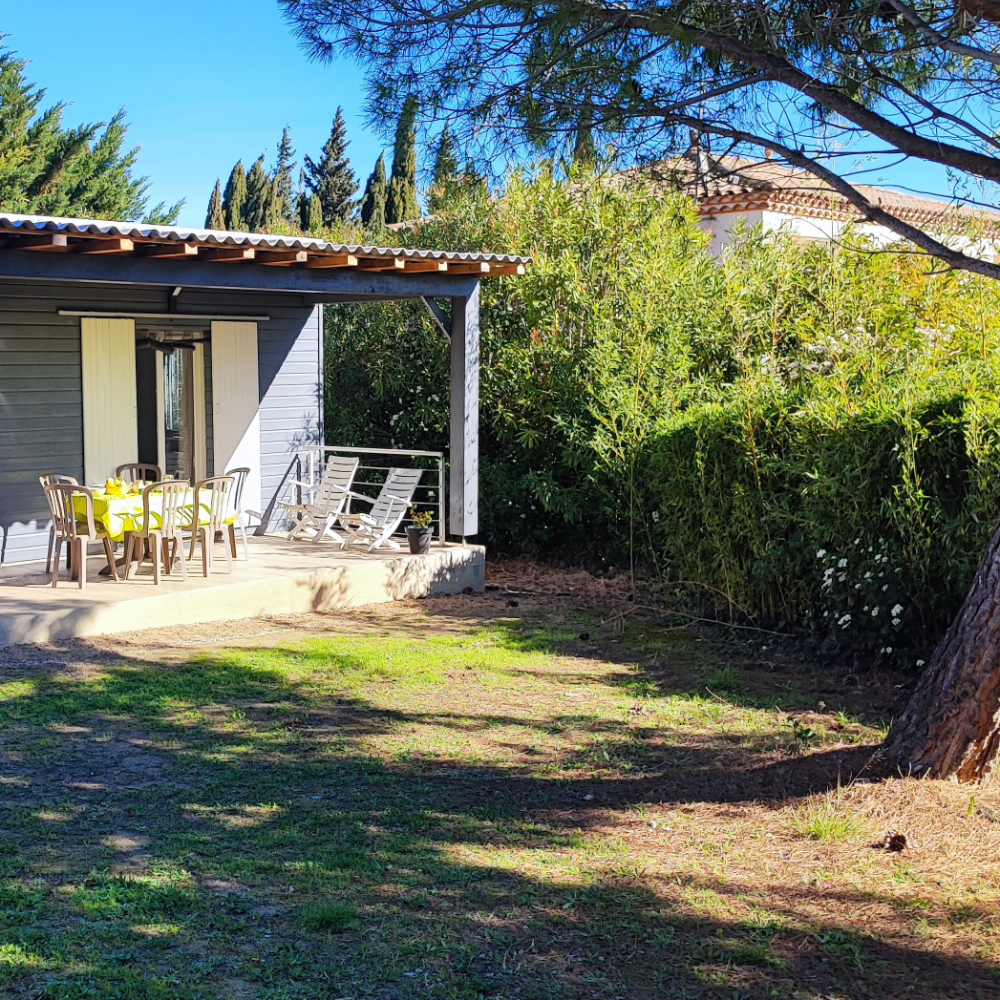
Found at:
<point>162,829</point>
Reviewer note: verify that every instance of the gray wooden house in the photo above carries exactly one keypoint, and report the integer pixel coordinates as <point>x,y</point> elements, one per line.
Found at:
<point>198,351</point>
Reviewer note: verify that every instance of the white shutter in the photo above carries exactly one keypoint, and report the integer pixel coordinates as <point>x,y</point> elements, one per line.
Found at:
<point>236,402</point>
<point>110,430</point>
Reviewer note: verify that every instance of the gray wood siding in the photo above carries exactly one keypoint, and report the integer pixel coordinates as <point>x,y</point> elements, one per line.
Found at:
<point>41,406</point>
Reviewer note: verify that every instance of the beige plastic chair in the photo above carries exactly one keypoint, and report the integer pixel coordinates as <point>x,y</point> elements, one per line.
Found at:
<point>50,479</point>
<point>212,504</point>
<point>139,472</point>
<point>164,530</point>
<point>76,534</point>
<point>236,499</point>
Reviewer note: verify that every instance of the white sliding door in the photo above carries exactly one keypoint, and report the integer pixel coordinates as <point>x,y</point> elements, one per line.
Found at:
<point>236,404</point>
<point>110,436</point>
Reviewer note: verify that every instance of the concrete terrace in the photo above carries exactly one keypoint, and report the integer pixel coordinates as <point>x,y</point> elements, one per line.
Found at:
<point>281,577</point>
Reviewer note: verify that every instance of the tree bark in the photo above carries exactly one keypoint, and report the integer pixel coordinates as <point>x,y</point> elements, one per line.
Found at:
<point>951,725</point>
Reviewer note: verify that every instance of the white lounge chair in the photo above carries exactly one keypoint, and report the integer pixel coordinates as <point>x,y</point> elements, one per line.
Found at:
<point>388,510</point>
<point>328,500</point>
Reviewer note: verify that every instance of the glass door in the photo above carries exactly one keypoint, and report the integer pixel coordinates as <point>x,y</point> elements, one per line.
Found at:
<point>178,415</point>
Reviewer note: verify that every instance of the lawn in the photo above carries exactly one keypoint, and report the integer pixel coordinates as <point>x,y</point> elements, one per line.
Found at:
<point>464,799</point>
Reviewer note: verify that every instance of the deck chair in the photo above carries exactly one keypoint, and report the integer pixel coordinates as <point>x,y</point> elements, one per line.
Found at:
<point>388,510</point>
<point>327,502</point>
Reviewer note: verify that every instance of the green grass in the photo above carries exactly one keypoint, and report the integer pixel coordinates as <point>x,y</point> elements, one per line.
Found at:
<point>441,808</point>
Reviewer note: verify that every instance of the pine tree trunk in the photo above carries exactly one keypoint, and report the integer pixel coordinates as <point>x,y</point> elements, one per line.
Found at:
<point>951,725</point>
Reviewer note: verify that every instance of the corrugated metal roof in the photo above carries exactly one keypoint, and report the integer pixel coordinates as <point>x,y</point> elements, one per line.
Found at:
<point>11,223</point>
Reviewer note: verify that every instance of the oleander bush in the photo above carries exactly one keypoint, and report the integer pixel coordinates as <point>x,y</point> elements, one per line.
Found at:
<point>799,436</point>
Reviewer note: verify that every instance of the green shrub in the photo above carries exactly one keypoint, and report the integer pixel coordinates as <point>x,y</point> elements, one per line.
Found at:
<point>800,436</point>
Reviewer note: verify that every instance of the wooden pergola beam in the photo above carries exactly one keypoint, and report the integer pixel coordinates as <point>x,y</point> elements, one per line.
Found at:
<point>381,264</point>
<point>167,250</point>
<point>417,266</point>
<point>282,257</point>
<point>332,260</point>
<point>469,267</point>
<point>38,241</point>
<point>227,254</point>
<point>117,244</point>
<point>501,269</point>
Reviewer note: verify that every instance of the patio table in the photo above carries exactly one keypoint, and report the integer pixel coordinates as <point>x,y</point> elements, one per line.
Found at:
<point>121,515</point>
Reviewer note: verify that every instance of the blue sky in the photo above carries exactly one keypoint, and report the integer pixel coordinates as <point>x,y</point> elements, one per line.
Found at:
<point>206,83</point>
<point>203,84</point>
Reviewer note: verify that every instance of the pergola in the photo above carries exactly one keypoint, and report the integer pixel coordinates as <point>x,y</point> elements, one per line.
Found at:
<point>308,271</point>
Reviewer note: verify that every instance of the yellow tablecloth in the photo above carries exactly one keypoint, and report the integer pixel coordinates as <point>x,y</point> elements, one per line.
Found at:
<point>121,514</point>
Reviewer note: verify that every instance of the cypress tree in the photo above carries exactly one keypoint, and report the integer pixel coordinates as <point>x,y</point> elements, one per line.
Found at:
<point>332,180</point>
<point>310,212</point>
<point>401,204</point>
<point>373,202</point>
<point>445,170</point>
<point>234,199</point>
<point>215,217</point>
<point>260,196</point>
<point>284,197</point>
<point>49,169</point>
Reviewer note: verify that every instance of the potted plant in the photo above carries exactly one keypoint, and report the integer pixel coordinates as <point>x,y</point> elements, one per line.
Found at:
<point>420,532</point>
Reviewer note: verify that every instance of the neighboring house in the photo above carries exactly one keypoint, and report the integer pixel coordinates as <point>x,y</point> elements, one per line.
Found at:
<point>775,196</point>
<point>197,351</point>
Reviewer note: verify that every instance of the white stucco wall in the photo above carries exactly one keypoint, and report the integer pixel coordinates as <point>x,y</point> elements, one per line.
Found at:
<point>801,227</point>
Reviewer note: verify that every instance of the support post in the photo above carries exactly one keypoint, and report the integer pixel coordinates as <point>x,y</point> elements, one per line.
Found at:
<point>464,453</point>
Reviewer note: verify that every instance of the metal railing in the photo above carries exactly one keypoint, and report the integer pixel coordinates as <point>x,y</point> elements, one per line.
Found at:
<point>309,464</point>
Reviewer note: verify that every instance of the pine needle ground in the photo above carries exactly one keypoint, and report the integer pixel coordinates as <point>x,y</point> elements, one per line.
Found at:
<point>463,798</point>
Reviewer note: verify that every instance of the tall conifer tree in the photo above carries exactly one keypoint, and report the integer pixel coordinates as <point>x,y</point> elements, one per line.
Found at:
<point>48,169</point>
<point>445,170</point>
<point>310,213</point>
<point>401,204</point>
<point>373,202</point>
<point>234,199</point>
<point>284,204</point>
<point>215,218</point>
<point>332,180</point>
<point>260,197</point>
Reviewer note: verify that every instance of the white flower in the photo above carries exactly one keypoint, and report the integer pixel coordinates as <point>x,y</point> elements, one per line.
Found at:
<point>868,576</point>
<point>920,663</point>
<point>874,612</point>
<point>841,564</point>
<point>897,610</point>
<point>821,553</point>
<point>896,621</point>
<point>844,621</point>
<point>885,587</point>
<point>656,517</point>
<point>888,649</point>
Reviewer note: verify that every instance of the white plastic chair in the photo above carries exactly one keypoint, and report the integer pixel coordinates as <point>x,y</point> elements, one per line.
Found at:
<point>236,501</point>
<point>328,502</point>
<point>212,509</point>
<point>163,529</point>
<point>388,510</point>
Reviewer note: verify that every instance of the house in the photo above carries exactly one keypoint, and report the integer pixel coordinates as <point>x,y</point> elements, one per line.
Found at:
<point>198,351</point>
<point>730,190</point>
